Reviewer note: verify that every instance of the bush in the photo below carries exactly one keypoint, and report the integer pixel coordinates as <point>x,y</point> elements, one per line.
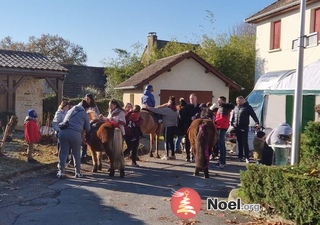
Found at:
<point>50,106</point>
<point>310,144</point>
<point>289,191</point>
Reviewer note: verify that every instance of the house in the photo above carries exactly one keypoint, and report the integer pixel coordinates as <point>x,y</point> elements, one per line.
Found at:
<point>81,77</point>
<point>178,75</point>
<point>154,42</point>
<point>21,78</point>
<point>277,29</point>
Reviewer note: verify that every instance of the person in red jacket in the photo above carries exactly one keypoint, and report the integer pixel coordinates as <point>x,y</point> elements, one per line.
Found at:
<point>222,122</point>
<point>31,133</point>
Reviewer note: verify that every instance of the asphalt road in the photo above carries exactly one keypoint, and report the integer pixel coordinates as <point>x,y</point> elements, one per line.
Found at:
<point>142,197</point>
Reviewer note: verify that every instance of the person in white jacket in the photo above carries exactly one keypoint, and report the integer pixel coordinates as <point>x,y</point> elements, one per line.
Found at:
<point>170,116</point>
<point>279,139</point>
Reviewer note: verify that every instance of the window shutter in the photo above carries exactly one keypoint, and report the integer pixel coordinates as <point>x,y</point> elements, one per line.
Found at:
<point>276,34</point>
<point>317,22</point>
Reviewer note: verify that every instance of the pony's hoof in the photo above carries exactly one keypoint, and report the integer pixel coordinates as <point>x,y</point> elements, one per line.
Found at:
<point>111,173</point>
<point>121,173</point>
<point>100,167</point>
<point>158,157</point>
<point>206,176</point>
<point>151,155</point>
<point>94,170</point>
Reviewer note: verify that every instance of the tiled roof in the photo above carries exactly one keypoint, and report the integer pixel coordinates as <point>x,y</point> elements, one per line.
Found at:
<point>150,72</point>
<point>275,8</point>
<point>80,77</point>
<point>28,60</point>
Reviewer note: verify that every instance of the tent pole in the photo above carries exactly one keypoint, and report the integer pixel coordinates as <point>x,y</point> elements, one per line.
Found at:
<point>298,95</point>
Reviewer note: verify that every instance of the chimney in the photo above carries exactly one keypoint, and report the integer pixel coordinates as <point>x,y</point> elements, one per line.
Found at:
<point>152,38</point>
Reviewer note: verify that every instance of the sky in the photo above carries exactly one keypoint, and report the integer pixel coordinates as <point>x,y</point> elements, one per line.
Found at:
<point>100,26</point>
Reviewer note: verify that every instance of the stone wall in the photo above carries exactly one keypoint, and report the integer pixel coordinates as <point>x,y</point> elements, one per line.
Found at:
<point>29,95</point>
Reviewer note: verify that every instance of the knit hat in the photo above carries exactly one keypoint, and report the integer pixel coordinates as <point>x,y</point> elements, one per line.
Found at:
<point>214,105</point>
<point>32,113</point>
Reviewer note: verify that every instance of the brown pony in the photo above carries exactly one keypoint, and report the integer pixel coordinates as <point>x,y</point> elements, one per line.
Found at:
<point>107,137</point>
<point>202,134</point>
<point>152,127</point>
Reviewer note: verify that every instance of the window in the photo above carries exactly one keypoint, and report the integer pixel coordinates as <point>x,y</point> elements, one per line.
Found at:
<point>275,34</point>
<point>316,26</point>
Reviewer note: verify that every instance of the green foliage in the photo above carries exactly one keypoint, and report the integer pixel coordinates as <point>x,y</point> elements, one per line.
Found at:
<point>50,106</point>
<point>5,118</point>
<point>103,106</point>
<point>54,47</point>
<point>120,69</point>
<point>310,144</point>
<point>289,191</point>
<point>92,90</point>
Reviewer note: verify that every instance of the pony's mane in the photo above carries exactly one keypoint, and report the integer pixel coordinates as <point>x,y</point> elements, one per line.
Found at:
<point>92,115</point>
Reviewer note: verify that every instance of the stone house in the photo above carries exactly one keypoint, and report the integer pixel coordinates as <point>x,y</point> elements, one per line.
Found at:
<point>21,78</point>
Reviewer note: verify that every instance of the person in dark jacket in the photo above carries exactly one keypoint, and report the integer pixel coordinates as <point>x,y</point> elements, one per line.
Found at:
<point>191,111</point>
<point>181,130</point>
<point>240,121</point>
<point>222,122</point>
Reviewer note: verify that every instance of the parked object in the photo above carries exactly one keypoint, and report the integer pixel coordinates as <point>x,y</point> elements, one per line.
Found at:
<point>272,96</point>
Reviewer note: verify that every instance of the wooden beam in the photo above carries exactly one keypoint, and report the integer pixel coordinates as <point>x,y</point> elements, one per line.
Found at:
<point>59,92</point>
<point>4,85</point>
<point>53,86</point>
<point>10,93</point>
<point>23,78</point>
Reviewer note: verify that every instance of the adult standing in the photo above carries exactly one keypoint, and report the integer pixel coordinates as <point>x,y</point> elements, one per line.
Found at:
<point>191,111</point>
<point>222,122</point>
<point>116,114</point>
<point>71,137</point>
<point>170,116</point>
<point>240,121</point>
<point>181,129</point>
<point>58,118</point>
<point>93,107</point>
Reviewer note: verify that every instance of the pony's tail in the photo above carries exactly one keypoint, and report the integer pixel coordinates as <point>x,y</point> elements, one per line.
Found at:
<point>202,147</point>
<point>118,148</point>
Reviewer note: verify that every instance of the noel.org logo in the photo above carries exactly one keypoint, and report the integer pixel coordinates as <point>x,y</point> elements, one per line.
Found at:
<point>185,203</point>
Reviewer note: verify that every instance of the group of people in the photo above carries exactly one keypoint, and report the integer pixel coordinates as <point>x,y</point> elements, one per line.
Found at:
<point>176,119</point>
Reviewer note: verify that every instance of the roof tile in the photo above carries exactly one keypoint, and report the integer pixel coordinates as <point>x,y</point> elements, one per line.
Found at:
<point>28,60</point>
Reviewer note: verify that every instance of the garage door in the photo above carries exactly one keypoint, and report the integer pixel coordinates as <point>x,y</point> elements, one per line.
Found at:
<point>203,96</point>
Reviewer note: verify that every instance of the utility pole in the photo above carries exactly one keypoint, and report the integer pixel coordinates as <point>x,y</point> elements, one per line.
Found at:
<point>298,95</point>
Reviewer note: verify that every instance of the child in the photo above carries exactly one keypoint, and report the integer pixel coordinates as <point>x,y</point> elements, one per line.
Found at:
<point>258,143</point>
<point>132,117</point>
<point>31,133</point>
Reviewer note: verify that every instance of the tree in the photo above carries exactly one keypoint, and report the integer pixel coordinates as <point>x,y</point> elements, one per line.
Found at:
<point>120,69</point>
<point>53,47</point>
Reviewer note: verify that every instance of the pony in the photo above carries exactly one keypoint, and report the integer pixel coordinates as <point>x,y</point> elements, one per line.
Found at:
<point>202,134</point>
<point>105,137</point>
<point>153,128</point>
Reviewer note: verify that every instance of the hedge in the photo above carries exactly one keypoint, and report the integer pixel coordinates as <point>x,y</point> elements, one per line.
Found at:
<point>291,192</point>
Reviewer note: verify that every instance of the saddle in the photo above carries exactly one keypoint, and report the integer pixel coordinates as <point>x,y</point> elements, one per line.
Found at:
<point>153,115</point>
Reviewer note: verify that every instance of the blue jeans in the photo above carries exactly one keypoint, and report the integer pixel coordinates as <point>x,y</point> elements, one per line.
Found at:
<point>178,142</point>
<point>222,145</point>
